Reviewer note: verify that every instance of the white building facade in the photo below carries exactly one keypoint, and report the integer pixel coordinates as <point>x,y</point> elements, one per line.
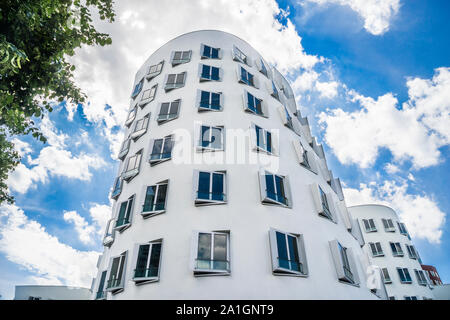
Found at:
<point>389,246</point>
<point>222,192</point>
<point>39,292</point>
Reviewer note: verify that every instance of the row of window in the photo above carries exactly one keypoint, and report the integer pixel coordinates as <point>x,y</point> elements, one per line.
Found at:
<point>212,257</point>
<point>388,224</point>
<point>397,251</point>
<point>405,277</point>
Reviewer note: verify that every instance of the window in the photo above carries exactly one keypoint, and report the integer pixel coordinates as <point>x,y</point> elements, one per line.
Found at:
<point>344,263</point>
<point>125,214</point>
<point>411,251</point>
<point>209,101</point>
<point>274,189</point>
<point>262,67</point>
<point>179,57</point>
<point>246,77</point>
<point>377,251</point>
<point>212,256</point>
<point>403,273</point>
<point>325,206</point>
<point>305,158</point>
<point>323,202</point>
<point>124,148</point>
<point>155,199</point>
<point>101,294</point>
<point>131,117</point>
<point>392,298</point>
<point>148,96</point>
<point>108,238</point>
<point>288,253</point>
<point>154,70</point>
<point>207,73</point>
<point>386,276</point>
<point>410,298</point>
<point>117,189</point>
<point>388,225</point>
<point>263,140</point>
<point>285,117</point>
<point>148,262</point>
<point>421,279</point>
<point>402,228</point>
<point>174,81</point>
<point>140,127</point>
<point>117,268</point>
<point>254,105</point>
<point>137,88</point>
<point>211,138</point>
<point>238,55</point>
<point>369,225</point>
<point>396,249</point>
<point>208,52</point>
<point>211,187</point>
<point>161,150</point>
<point>131,168</point>
<point>168,111</point>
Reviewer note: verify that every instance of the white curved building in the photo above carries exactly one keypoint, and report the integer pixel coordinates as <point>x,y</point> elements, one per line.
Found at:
<point>222,192</point>
<point>389,246</point>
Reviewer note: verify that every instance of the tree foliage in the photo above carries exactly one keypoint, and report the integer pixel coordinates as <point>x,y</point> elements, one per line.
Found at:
<point>35,39</point>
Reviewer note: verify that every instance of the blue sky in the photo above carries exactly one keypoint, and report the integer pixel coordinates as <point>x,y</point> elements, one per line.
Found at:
<point>348,63</point>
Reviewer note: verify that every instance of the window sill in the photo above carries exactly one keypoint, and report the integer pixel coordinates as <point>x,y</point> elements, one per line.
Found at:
<point>137,134</point>
<point>141,281</point>
<point>123,227</point>
<point>130,121</point>
<point>162,121</point>
<point>205,202</point>
<point>150,76</point>
<point>143,103</point>
<point>148,214</point>
<point>208,273</point>
<point>158,161</point>
<point>130,174</point>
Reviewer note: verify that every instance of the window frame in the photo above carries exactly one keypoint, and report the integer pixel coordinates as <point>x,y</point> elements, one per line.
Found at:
<point>150,75</point>
<point>202,51</point>
<point>110,233</point>
<point>386,276</point>
<point>398,252</point>
<point>388,225</point>
<point>199,144</point>
<point>264,148</point>
<point>265,199</point>
<point>370,226</point>
<point>421,278</point>
<point>176,62</point>
<point>240,56</point>
<point>131,116</point>
<point>146,279</point>
<point>154,212</point>
<point>114,193</point>
<point>137,88</point>
<point>123,152</point>
<point>144,101</point>
<point>204,202</point>
<point>128,174</point>
<point>137,133</point>
<point>402,270</point>
<point>161,120</point>
<point>209,77</point>
<point>246,77</point>
<point>344,259</point>
<point>378,249</point>
<point>154,162</point>
<point>101,293</point>
<point>128,215</point>
<point>121,271</point>
<point>210,101</point>
<point>201,272</point>
<point>304,155</point>
<point>317,196</point>
<point>256,101</point>
<point>175,85</point>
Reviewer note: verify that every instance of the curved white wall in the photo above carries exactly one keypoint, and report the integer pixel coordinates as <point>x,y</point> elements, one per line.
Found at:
<point>396,288</point>
<point>244,215</point>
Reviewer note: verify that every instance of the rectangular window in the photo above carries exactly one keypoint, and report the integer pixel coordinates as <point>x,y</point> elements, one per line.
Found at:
<point>124,148</point>
<point>137,88</point>
<point>148,262</point>
<point>404,275</point>
<point>263,140</point>
<point>209,101</point>
<point>402,228</point>
<point>211,138</point>
<point>211,187</point>
<point>125,214</point>
<point>212,253</point>
<point>117,188</point>
<point>344,263</point>
<point>179,57</point>
<point>377,251</point>
<point>154,70</point>
<point>174,81</point>
<point>131,117</point>
<point>140,127</point>
<point>108,238</point>
<point>285,117</point>
<point>117,273</point>
<point>325,205</point>
<point>410,298</point>
<point>386,276</point>
<point>254,105</point>
<point>161,150</point>
<point>421,279</point>
<point>208,52</point>
<point>274,91</point>
<point>238,55</point>
<point>131,168</point>
<point>208,73</point>
<point>148,96</point>
<point>388,225</point>
<point>396,249</point>
<point>155,199</point>
<point>276,189</point>
<point>246,77</point>
<point>169,111</point>
<point>411,251</point>
<point>369,225</point>
<point>288,253</point>
<point>305,158</point>
<point>101,294</point>
<point>262,68</point>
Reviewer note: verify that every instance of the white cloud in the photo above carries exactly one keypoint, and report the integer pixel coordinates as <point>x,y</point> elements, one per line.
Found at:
<point>415,132</point>
<point>327,89</point>
<point>391,168</point>
<point>100,214</point>
<point>420,213</point>
<point>27,243</point>
<point>22,148</point>
<point>377,14</point>
<point>82,227</point>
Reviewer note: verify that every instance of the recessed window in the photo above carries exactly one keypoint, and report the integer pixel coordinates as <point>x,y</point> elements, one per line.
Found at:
<point>386,276</point>
<point>131,117</point>
<point>161,150</point>
<point>169,111</point>
<point>304,157</point>
<point>377,250</point>
<point>388,225</point>
<point>288,253</point>
<point>108,238</point>
<point>140,127</point>
<point>148,262</point>
<point>411,251</point>
<point>404,275</point>
<point>211,138</point>
<point>275,189</point>
<point>101,294</point>
<point>209,101</point>
<point>246,77</point>
<point>132,164</point>
<point>274,91</point>
<point>117,188</point>
<point>323,202</point>
<point>116,278</point>
<point>211,187</point>
<point>179,57</point>
<point>154,70</point>
<point>238,55</point>
<point>286,117</point>
<point>148,96</point>
<point>262,67</point>
<point>369,225</point>
<point>254,105</point>
<point>212,254</point>
<point>155,199</point>
<point>402,228</point>
<point>137,88</point>
<point>124,148</point>
<point>208,52</point>
<point>421,279</point>
<point>410,298</point>
<point>125,214</point>
<point>209,73</point>
<point>174,81</point>
<point>263,140</point>
<point>396,249</point>
<point>344,262</point>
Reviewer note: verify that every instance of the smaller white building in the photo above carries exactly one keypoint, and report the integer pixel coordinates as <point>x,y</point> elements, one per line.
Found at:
<point>442,292</point>
<point>37,292</point>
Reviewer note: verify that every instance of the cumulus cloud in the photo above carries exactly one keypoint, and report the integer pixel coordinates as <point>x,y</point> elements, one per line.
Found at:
<point>420,213</point>
<point>413,132</point>
<point>82,227</point>
<point>27,243</point>
<point>377,14</point>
